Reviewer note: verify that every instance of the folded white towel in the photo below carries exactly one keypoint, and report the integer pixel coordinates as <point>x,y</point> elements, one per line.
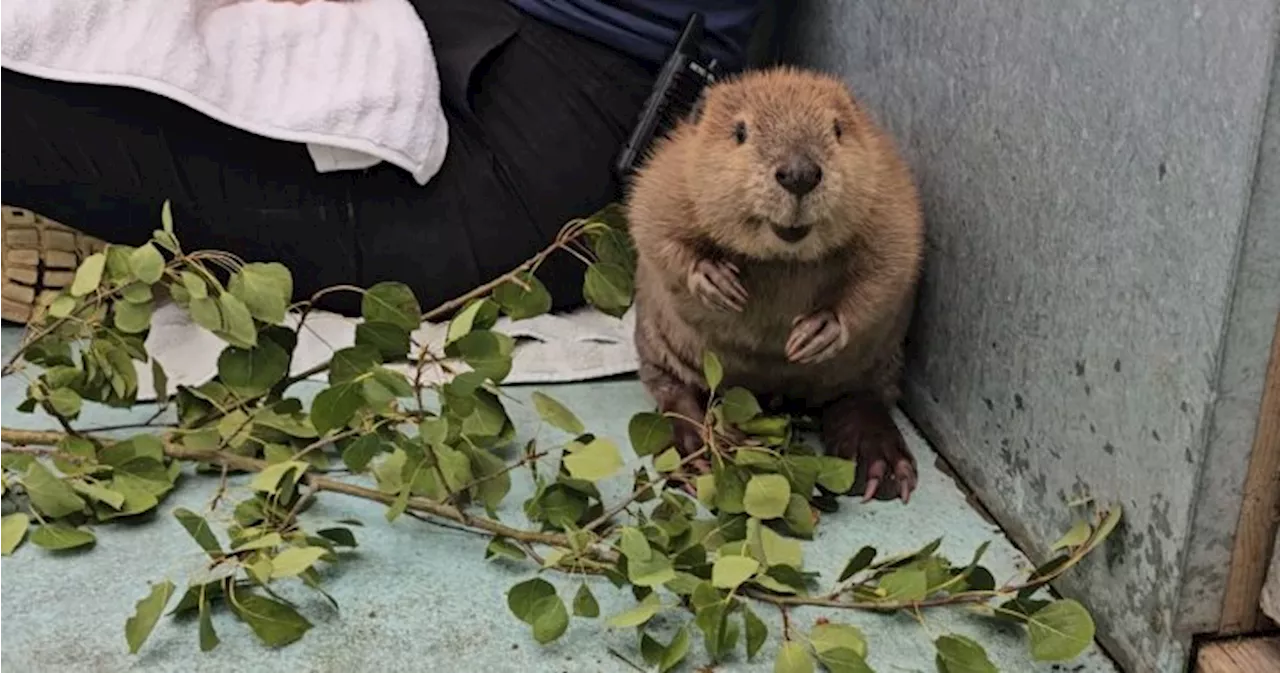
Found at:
<point>356,81</point>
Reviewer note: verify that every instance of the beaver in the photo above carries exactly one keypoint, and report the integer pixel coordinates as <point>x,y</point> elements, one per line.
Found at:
<point>778,227</point>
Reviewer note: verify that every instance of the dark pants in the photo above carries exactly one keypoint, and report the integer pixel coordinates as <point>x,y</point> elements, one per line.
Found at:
<point>536,116</point>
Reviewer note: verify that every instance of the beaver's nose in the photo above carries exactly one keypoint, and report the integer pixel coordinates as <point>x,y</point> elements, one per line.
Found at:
<point>799,175</point>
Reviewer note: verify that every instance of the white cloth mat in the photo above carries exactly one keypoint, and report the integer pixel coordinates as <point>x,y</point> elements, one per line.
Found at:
<point>552,348</point>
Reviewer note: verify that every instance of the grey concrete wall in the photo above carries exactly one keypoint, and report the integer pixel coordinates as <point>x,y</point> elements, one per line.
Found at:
<point>1089,317</point>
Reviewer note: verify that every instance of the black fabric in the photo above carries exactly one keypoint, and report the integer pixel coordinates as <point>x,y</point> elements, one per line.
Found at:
<point>536,116</point>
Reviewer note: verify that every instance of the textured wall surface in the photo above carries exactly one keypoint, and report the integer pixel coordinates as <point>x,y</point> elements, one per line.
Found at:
<point>1086,169</point>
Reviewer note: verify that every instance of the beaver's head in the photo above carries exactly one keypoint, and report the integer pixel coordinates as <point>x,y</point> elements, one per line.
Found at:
<point>783,164</point>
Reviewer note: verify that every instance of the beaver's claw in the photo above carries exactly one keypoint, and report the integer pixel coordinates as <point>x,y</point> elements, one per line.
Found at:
<point>716,284</point>
<point>816,337</point>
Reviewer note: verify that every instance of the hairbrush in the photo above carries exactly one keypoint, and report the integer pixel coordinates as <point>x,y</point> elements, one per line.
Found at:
<point>676,92</point>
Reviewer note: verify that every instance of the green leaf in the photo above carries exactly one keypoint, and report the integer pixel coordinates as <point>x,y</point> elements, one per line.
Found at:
<point>597,460</point>
<point>835,474</point>
<point>65,402</point>
<point>166,217</point>
<point>265,289</point>
<point>51,495</point>
<point>706,489</point>
<point>274,623</point>
<point>13,528</point>
<point>958,654</point>
<point>668,461</point>
<point>267,541</point>
<point>1060,631</point>
<point>731,489</point>
<point>136,293</point>
<point>831,636</point>
<point>392,303</point>
<point>477,314</point>
<point>502,547</point>
<point>650,433</point>
<point>844,660</point>
<point>497,478</point>
<point>195,285</point>
<point>675,651</point>
<point>1078,535</point>
<point>159,382</point>
<point>635,546</point>
<point>584,603</point>
<point>364,449</point>
<point>391,341</point>
<point>523,598</point>
<point>767,496</point>
<point>731,571</point>
<point>133,318</point>
<point>206,313</point>
<point>557,414</point>
<point>524,297</point>
<point>62,306</point>
<point>712,370</point>
<point>799,517</point>
<point>858,563</point>
<point>905,585</point>
<point>199,530</point>
<point>719,634</point>
<point>349,363</point>
<point>739,405</point>
<point>756,631</point>
<point>146,263</point>
<point>794,657</point>
<point>1105,528</point>
<point>88,275</point>
<point>339,536</point>
<point>652,572</point>
<point>384,385</point>
<point>335,406</point>
<point>295,560</point>
<point>208,637</point>
<point>145,615</point>
<point>252,371</point>
<point>609,288</point>
<point>268,480</point>
<point>550,619</point>
<point>487,353</point>
<point>639,614</point>
<point>59,537</point>
<point>237,321</point>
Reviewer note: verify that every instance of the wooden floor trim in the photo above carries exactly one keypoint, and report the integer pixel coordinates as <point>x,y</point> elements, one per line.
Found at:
<point>1259,512</point>
<point>1243,655</point>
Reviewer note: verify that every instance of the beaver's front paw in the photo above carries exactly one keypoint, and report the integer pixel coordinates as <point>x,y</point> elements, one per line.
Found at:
<point>816,337</point>
<point>716,284</point>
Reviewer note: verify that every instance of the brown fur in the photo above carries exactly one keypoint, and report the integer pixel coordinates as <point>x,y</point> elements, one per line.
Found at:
<point>704,196</point>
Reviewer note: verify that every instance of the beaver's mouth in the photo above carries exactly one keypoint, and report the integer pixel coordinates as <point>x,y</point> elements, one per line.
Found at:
<point>791,234</point>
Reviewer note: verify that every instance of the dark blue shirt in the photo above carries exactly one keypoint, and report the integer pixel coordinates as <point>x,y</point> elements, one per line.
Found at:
<point>648,29</point>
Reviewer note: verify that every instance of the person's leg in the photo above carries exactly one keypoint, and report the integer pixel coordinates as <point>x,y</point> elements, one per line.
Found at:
<point>537,116</point>
<point>104,159</point>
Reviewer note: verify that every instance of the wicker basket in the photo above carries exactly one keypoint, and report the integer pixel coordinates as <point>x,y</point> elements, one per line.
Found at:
<point>40,258</point>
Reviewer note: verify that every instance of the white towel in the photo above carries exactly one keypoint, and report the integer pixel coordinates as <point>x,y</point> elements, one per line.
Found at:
<point>356,81</point>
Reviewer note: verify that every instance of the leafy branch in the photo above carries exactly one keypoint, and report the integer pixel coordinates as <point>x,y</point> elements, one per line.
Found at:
<point>705,536</point>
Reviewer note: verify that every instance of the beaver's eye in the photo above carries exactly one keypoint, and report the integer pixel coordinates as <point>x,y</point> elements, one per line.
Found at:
<point>740,132</point>
<point>839,131</point>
